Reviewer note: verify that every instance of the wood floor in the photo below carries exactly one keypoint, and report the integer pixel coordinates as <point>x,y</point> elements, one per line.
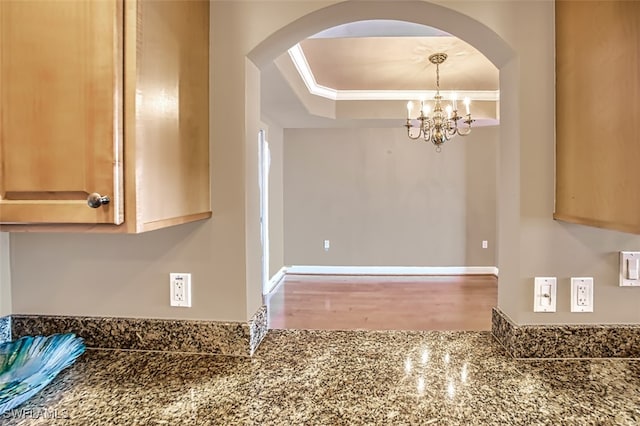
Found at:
<point>346,302</point>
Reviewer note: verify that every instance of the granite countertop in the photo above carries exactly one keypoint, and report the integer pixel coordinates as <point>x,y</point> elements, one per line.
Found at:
<point>336,377</point>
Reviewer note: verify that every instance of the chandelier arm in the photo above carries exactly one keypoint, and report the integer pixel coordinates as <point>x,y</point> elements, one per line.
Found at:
<point>427,129</point>
<point>448,132</point>
<point>409,126</point>
<point>452,126</point>
<point>466,131</point>
<point>413,137</point>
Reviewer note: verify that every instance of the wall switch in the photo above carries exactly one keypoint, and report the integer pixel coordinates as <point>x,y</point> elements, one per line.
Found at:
<point>582,294</point>
<point>544,294</point>
<point>629,269</point>
<point>327,244</point>
<point>180,290</point>
<point>485,243</point>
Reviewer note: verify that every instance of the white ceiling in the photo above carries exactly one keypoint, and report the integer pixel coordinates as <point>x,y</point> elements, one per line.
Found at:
<point>371,58</point>
<point>397,63</point>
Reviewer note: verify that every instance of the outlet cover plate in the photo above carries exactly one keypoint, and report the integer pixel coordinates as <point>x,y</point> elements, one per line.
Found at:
<point>180,289</point>
<point>582,294</point>
<point>625,258</point>
<point>544,294</point>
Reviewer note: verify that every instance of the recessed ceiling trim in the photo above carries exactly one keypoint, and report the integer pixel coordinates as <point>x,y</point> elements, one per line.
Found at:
<point>300,61</point>
<point>416,95</point>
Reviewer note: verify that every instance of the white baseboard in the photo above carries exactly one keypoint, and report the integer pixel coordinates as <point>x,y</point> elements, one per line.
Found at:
<point>392,270</point>
<point>275,279</point>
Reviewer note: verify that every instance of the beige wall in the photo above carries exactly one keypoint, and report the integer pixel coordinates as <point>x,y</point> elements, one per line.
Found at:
<point>383,200</point>
<point>481,149</point>
<point>5,275</point>
<point>127,275</point>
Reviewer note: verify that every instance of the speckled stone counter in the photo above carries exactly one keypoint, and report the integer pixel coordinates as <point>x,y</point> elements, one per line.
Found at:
<point>339,378</point>
<point>5,329</point>
<point>209,337</point>
<point>567,340</point>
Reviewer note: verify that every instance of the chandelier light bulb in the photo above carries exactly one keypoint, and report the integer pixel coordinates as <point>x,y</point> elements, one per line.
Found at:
<point>449,110</point>
<point>409,108</point>
<point>454,101</point>
<point>467,103</point>
<point>426,109</point>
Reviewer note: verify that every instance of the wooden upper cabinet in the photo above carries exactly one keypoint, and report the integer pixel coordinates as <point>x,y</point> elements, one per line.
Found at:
<point>108,97</point>
<point>172,111</point>
<point>598,113</point>
<point>61,112</point>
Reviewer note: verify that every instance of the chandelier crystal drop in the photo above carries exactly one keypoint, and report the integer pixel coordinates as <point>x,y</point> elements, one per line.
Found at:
<point>441,125</point>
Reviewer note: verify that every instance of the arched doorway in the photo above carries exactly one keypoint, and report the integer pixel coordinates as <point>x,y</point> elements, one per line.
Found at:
<point>461,26</point>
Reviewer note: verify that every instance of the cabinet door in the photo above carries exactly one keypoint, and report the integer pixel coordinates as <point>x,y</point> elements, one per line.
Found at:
<point>61,65</point>
<point>598,113</point>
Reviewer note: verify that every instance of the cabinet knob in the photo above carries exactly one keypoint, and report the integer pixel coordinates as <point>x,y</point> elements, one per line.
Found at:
<point>96,200</point>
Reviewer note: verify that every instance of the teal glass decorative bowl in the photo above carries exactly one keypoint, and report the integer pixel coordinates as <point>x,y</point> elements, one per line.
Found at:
<point>30,363</point>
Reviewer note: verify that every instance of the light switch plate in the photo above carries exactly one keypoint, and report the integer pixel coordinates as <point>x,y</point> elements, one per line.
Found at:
<point>627,258</point>
<point>544,294</point>
<point>582,294</point>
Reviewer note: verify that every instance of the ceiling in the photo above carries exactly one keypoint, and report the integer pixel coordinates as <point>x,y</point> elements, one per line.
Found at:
<point>385,62</point>
<point>397,63</point>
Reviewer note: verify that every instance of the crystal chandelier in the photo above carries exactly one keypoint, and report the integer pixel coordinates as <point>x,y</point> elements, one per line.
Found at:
<point>441,125</point>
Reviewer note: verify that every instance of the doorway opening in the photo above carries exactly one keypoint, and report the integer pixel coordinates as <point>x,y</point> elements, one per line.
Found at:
<point>261,59</point>
<point>264,162</point>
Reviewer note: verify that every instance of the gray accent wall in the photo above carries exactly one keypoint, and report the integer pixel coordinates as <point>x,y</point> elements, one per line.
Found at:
<point>383,200</point>
<point>5,275</point>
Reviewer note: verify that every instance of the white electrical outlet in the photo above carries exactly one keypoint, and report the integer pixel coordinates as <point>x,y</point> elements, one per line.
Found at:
<point>544,294</point>
<point>180,289</point>
<point>581,294</point>
<point>485,244</point>
<point>327,245</point>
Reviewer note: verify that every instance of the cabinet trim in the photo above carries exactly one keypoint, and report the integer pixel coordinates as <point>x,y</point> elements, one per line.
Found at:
<point>634,229</point>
